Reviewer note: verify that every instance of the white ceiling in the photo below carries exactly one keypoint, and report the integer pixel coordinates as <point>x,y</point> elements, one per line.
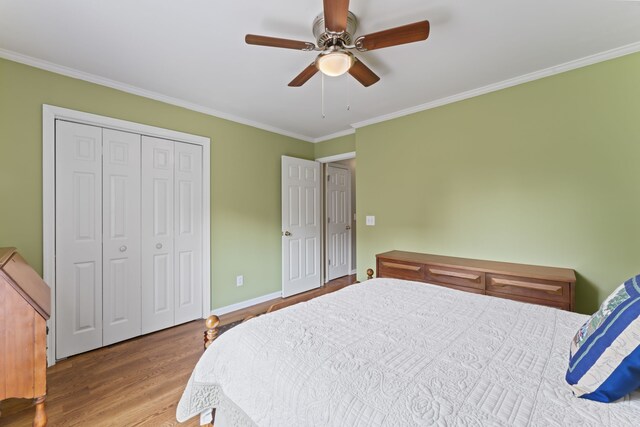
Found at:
<point>194,50</point>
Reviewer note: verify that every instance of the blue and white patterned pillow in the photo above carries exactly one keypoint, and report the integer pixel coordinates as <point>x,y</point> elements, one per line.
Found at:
<point>604,362</point>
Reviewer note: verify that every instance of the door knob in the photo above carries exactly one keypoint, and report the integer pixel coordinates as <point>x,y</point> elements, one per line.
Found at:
<point>123,248</point>
<point>286,233</point>
<point>348,227</point>
<point>159,246</point>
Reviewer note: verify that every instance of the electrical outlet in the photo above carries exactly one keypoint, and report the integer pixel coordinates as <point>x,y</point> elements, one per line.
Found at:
<point>239,280</point>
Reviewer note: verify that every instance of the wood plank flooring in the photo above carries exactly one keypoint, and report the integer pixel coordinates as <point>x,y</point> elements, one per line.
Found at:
<point>134,383</point>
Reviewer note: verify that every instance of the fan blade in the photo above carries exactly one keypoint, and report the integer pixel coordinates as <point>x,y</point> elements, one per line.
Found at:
<point>276,42</point>
<point>362,73</point>
<point>394,36</point>
<point>305,75</point>
<point>335,15</point>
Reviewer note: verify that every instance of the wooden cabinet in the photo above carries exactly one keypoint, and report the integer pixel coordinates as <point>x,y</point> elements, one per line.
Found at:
<point>25,304</point>
<point>551,286</point>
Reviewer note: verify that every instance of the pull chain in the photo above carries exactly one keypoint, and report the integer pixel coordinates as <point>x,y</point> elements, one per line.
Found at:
<point>348,95</point>
<point>323,116</point>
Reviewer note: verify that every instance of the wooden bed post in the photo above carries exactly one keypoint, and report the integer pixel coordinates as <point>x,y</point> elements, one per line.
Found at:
<point>369,273</point>
<point>211,333</point>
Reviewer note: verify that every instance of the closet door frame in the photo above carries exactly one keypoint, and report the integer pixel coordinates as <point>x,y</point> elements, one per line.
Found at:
<point>52,113</point>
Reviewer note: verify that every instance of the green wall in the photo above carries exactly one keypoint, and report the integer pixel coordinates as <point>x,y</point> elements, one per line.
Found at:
<point>541,173</point>
<point>331,147</point>
<point>245,174</point>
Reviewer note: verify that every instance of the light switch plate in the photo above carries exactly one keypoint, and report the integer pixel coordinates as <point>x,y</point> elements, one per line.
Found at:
<point>239,280</point>
<point>371,220</point>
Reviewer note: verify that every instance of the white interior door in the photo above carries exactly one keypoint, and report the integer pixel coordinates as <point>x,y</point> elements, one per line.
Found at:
<point>338,222</point>
<point>300,225</point>
<point>157,264</point>
<point>188,232</point>
<point>78,238</point>
<point>121,236</point>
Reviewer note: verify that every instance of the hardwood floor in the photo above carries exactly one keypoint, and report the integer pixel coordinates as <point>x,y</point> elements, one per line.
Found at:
<point>134,383</point>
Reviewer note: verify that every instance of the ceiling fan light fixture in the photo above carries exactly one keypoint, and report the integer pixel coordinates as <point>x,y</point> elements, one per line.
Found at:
<point>334,63</point>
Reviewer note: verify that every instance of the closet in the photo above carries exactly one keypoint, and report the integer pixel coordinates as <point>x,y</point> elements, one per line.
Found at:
<point>128,235</point>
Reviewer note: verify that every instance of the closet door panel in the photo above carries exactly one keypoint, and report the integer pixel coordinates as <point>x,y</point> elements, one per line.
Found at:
<point>121,236</point>
<point>78,238</point>
<point>188,232</point>
<point>157,234</point>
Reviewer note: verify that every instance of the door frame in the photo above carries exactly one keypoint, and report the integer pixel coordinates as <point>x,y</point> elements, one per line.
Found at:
<point>52,113</point>
<point>324,161</point>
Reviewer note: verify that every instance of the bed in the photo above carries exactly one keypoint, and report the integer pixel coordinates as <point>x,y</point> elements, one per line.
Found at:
<point>391,352</point>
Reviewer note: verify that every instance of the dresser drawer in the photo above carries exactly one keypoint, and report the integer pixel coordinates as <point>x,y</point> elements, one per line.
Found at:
<point>462,288</point>
<point>401,270</point>
<point>454,276</point>
<point>557,304</point>
<point>559,292</point>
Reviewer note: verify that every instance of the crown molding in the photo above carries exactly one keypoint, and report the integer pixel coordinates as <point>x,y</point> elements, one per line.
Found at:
<point>92,78</point>
<point>345,132</point>
<point>337,157</point>
<point>547,72</point>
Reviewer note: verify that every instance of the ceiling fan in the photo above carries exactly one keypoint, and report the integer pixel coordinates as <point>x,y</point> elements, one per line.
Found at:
<point>334,32</point>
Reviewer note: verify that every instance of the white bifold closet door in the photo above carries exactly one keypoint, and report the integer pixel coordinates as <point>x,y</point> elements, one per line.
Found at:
<point>120,235</point>
<point>128,235</point>
<point>157,234</point>
<point>172,233</point>
<point>188,232</point>
<point>78,238</point>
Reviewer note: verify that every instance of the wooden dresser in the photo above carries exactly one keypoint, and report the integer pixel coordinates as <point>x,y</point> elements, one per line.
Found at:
<point>25,304</point>
<point>549,286</point>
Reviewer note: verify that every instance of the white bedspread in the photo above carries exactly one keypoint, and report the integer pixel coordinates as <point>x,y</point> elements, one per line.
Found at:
<point>396,353</point>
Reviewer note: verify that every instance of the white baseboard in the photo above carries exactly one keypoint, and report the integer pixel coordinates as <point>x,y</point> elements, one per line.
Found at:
<point>244,304</point>
<point>354,272</point>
